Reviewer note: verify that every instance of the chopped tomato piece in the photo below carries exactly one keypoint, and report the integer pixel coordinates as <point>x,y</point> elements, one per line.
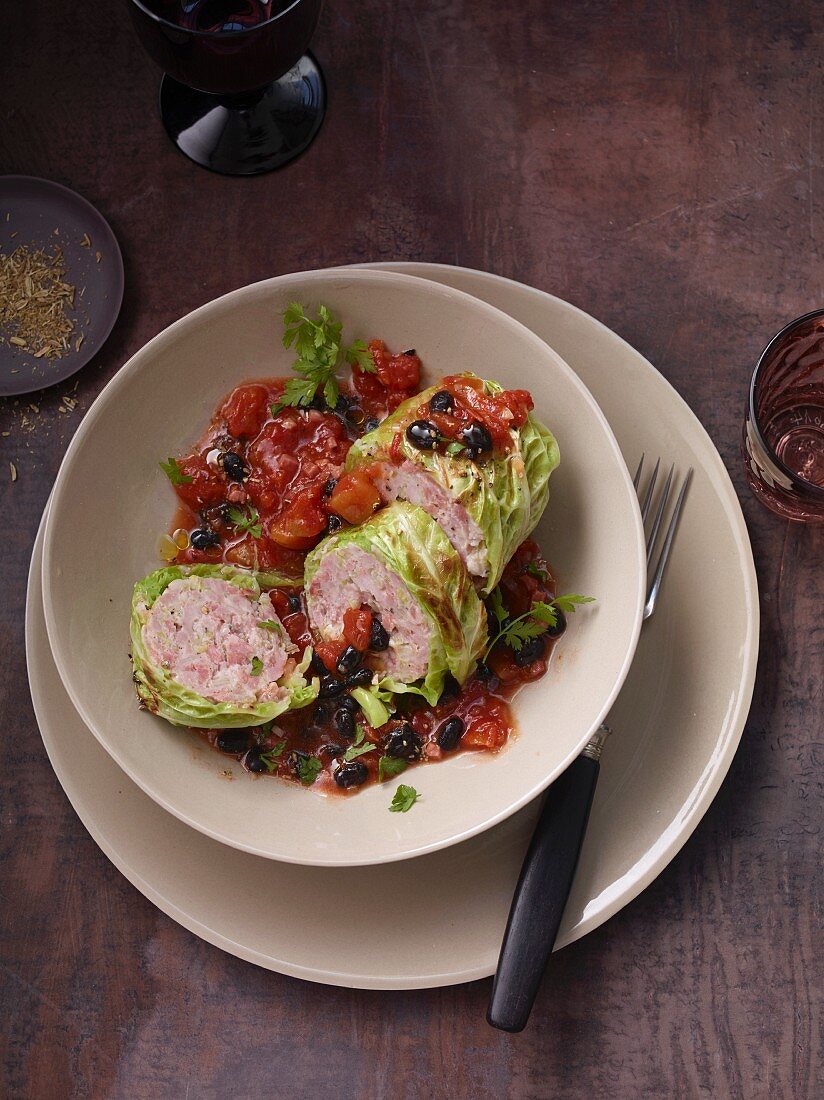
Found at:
<point>357,628</point>
<point>280,602</point>
<point>329,652</point>
<point>206,487</point>
<point>519,403</point>
<point>297,627</point>
<point>395,372</point>
<point>355,497</point>
<point>299,526</point>
<point>245,410</point>
<point>489,730</point>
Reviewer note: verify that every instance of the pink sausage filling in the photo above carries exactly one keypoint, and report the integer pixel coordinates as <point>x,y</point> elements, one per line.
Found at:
<point>207,634</point>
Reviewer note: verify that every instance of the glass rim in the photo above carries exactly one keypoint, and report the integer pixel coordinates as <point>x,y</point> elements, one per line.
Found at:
<point>213,34</point>
<point>803,486</point>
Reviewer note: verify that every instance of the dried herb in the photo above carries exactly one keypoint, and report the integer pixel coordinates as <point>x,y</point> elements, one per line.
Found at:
<point>35,301</point>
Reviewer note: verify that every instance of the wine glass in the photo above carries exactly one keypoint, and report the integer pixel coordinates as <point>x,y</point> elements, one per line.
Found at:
<point>240,94</point>
<point>783,440</point>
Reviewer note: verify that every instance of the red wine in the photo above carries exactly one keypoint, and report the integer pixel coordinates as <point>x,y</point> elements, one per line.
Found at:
<point>218,15</point>
<point>196,45</point>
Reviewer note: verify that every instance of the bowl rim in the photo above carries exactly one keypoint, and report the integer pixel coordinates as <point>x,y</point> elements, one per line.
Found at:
<point>134,364</point>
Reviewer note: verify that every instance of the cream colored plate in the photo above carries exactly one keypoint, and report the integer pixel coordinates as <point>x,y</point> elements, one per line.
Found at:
<point>101,536</point>
<point>677,723</point>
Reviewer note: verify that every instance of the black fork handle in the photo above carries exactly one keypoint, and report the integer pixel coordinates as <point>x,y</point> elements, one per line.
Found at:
<point>541,894</point>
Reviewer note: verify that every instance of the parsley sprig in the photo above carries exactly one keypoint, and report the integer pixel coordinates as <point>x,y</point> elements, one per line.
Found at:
<point>354,751</point>
<point>533,623</point>
<point>247,519</point>
<point>173,472</point>
<point>405,798</point>
<point>309,768</point>
<point>270,758</point>
<point>389,766</point>
<point>317,344</point>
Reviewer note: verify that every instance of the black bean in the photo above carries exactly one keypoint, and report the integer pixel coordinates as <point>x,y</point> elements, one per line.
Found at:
<point>203,538</point>
<point>330,687</point>
<point>477,438</point>
<point>342,404</point>
<point>317,666</point>
<point>234,466</point>
<point>348,661</point>
<point>234,741</point>
<point>378,636</point>
<point>334,523</point>
<point>403,742</point>
<point>332,749</point>
<point>252,761</point>
<point>560,624</point>
<point>483,672</point>
<point>360,678</point>
<point>370,424</point>
<point>423,435</point>
<point>321,714</point>
<point>450,734</point>
<point>530,652</point>
<point>329,486</point>
<point>352,774</point>
<point>441,402</point>
<point>350,704</point>
<point>318,402</point>
<point>344,722</point>
<point>450,689</point>
<point>294,602</point>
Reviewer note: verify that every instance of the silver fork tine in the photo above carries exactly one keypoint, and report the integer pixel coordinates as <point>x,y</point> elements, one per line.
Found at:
<point>650,488</point>
<point>652,595</point>
<point>656,523</point>
<point>637,477</point>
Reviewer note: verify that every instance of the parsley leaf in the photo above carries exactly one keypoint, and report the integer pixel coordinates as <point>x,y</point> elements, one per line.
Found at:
<point>498,609</point>
<point>174,473</point>
<point>535,570</point>
<point>405,798</point>
<point>360,733</point>
<point>317,345</point>
<point>568,603</point>
<point>454,448</point>
<point>247,520</point>
<point>389,766</point>
<point>533,623</point>
<point>269,624</point>
<point>257,666</point>
<point>354,751</point>
<point>308,770</point>
<point>270,758</point>
<point>358,354</point>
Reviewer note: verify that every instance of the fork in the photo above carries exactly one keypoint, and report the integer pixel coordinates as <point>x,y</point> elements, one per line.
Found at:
<point>550,862</point>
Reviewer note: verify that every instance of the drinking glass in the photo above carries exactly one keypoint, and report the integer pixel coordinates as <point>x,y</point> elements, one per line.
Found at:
<point>783,439</point>
<point>240,94</point>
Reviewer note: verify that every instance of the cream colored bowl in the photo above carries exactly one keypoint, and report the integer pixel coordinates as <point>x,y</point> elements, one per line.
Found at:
<point>111,502</point>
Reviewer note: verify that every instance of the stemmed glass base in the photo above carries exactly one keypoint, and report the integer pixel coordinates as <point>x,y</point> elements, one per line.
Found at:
<point>251,133</point>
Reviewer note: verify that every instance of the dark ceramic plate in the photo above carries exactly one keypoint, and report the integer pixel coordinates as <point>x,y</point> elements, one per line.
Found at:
<point>31,210</point>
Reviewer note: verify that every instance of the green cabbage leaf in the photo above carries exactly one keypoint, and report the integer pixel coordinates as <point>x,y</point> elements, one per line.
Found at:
<point>505,495</point>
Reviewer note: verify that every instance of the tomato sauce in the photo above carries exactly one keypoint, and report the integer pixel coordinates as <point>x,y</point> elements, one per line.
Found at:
<point>262,488</point>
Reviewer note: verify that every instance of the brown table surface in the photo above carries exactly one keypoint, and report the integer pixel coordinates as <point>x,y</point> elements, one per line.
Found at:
<point>658,165</point>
